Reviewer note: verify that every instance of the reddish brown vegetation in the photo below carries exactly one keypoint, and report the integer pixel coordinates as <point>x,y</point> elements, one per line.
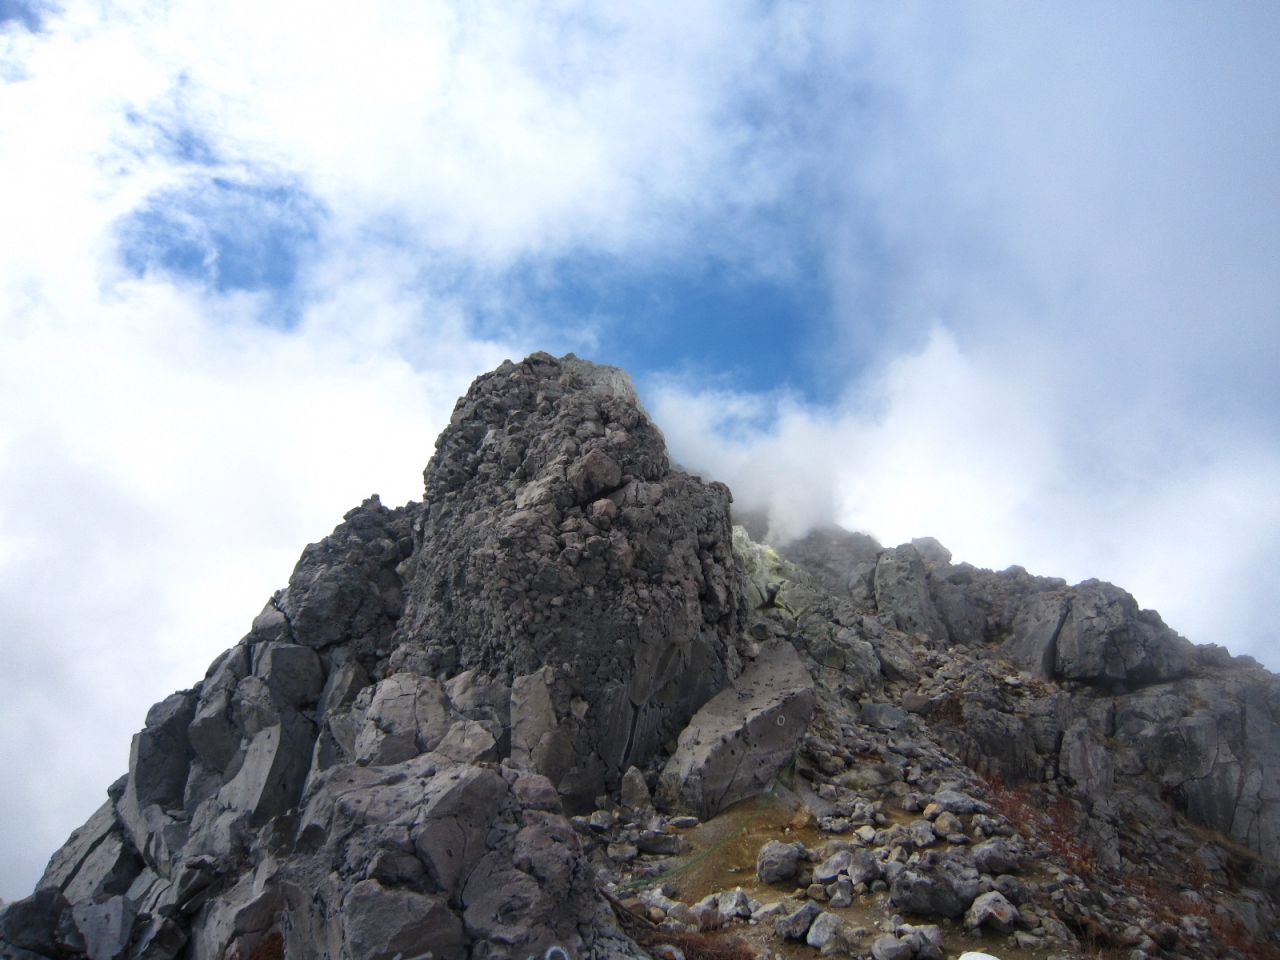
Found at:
<point>1049,819</point>
<point>714,945</point>
<point>1052,820</point>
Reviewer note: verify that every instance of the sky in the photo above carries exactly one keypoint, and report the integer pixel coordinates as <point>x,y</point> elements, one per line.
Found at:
<point>1002,274</point>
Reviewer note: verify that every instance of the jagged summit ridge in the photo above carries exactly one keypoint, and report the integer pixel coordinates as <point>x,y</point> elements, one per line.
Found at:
<point>465,717</point>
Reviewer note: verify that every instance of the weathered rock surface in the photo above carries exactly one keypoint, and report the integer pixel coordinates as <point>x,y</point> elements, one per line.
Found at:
<point>561,541</point>
<point>736,745</point>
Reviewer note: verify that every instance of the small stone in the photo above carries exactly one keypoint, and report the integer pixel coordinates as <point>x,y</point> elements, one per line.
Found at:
<point>945,823</point>
<point>778,861</point>
<point>622,852</point>
<point>993,910</point>
<point>840,893</point>
<point>684,823</point>
<point>863,867</point>
<point>922,834</point>
<point>663,844</point>
<point>889,947</point>
<point>635,792</point>
<point>925,940</point>
<point>866,833</point>
<point>816,891</point>
<point>768,910</point>
<point>795,926</point>
<point>826,930</point>
<point>734,903</point>
<point>832,867</point>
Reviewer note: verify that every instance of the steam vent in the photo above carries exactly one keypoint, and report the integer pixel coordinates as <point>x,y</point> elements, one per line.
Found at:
<point>566,708</point>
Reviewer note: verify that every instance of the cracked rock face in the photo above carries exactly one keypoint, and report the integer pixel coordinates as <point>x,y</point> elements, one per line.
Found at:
<point>558,550</point>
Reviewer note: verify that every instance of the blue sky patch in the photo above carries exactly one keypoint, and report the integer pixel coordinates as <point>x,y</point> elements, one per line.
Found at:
<point>227,236</point>
<point>708,320</point>
<point>25,12</point>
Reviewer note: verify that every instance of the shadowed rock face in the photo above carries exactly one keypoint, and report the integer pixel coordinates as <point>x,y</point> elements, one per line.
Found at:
<point>559,551</point>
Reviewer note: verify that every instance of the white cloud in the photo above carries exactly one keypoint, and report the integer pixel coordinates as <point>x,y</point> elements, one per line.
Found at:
<point>963,447</point>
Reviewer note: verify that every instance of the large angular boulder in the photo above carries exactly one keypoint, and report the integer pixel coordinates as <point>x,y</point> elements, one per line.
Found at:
<point>1094,632</point>
<point>738,743</point>
<point>1106,638</point>
<point>383,923</point>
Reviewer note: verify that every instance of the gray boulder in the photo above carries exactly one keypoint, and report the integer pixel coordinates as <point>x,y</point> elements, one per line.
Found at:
<point>826,932</point>
<point>408,715</point>
<point>1086,762</point>
<point>161,938</point>
<point>106,926</point>
<point>346,588</point>
<point>889,947</point>
<point>1107,638</point>
<point>795,926</point>
<point>738,743</point>
<point>110,868</point>
<point>996,856</point>
<point>941,886</point>
<point>382,924</point>
<point>291,670</point>
<point>991,909</point>
<point>778,861</point>
<point>213,733</point>
<point>41,923</point>
<point>95,861</point>
<point>66,861</point>
<point>1033,645</point>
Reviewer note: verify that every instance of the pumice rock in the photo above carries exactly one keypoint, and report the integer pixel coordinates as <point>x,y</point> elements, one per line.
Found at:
<point>468,727</point>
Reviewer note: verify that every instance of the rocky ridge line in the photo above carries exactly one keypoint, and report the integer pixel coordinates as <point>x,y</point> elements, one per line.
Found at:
<point>462,716</point>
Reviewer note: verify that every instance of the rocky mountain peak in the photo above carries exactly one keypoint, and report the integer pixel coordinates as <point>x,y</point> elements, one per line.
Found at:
<point>563,707</point>
<point>558,550</point>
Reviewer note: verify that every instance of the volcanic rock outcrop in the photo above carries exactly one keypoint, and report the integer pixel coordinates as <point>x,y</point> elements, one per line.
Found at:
<point>474,727</point>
